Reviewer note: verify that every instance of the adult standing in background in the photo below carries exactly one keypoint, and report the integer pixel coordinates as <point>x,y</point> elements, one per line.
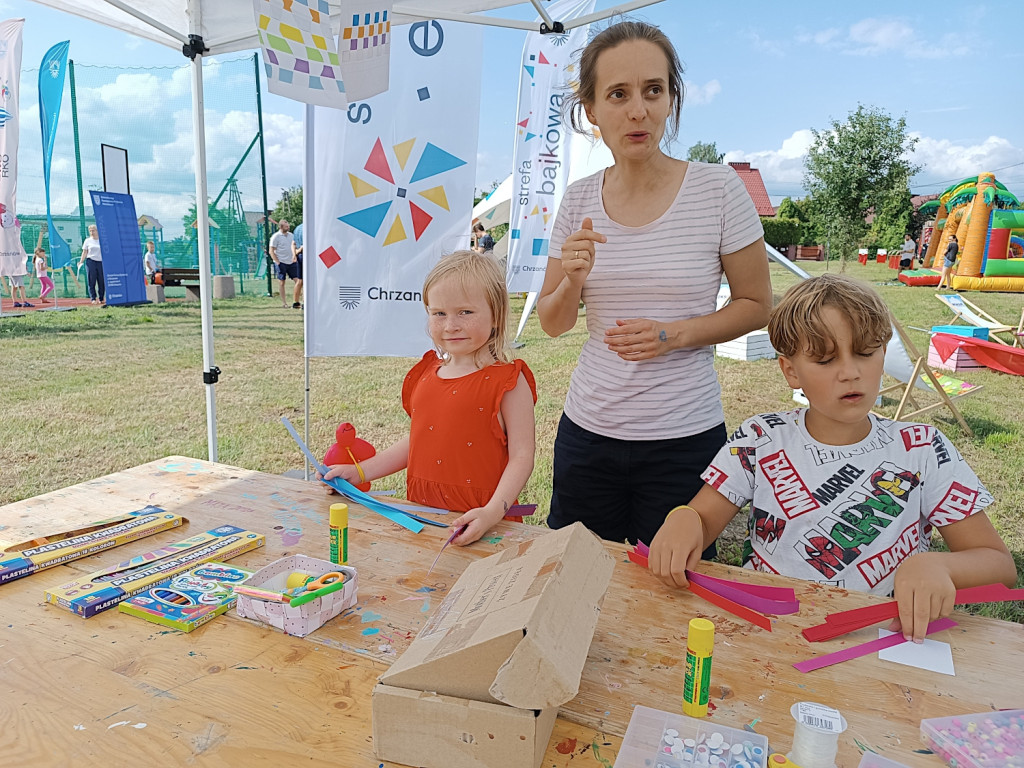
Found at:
<point>643,244</point>
<point>93,260</point>
<point>907,253</point>
<point>299,252</point>
<point>949,262</point>
<point>282,251</point>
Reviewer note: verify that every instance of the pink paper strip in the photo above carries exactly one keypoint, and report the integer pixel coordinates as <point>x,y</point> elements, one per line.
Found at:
<point>733,591</point>
<point>643,549</point>
<point>761,590</point>
<point>864,649</point>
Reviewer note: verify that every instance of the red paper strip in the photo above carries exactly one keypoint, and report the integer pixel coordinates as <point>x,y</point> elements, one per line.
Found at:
<point>770,593</point>
<point>734,608</point>
<point>637,558</point>
<point>864,649</point>
<point>838,624</point>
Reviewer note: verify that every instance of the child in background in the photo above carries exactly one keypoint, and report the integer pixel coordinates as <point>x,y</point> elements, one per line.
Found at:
<point>837,494</point>
<point>470,446</point>
<point>45,283</point>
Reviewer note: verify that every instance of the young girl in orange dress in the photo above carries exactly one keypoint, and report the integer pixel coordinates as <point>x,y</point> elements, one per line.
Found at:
<point>470,446</point>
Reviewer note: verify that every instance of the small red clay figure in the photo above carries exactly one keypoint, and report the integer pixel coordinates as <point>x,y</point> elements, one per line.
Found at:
<point>349,449</point>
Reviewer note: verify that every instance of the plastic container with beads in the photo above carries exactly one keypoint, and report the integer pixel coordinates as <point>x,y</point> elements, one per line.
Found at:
<point>657,739</point>
<point>984,740</point>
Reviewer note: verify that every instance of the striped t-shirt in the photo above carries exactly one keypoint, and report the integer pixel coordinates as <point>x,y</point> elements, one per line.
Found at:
<point>667,270</point>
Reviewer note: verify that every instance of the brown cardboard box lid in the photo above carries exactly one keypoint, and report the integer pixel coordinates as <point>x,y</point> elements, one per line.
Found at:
<point>516,627</point>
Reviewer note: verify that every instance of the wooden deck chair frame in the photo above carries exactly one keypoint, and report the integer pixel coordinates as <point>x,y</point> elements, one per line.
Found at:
<point>921,368</point>
<point>993,325</point>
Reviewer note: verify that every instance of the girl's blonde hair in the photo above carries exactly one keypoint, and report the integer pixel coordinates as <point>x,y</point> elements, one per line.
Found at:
<point>40,251</point>
<point>796,324</point>
<point>477,273</point>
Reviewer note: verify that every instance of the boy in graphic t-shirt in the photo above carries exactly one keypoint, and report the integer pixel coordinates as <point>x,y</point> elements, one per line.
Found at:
<point>837,494</point>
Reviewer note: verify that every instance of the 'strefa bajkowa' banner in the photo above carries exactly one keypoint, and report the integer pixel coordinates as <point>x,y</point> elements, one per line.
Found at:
<point>393,180</point>
<point>12,255</point>
<point>540,159</point>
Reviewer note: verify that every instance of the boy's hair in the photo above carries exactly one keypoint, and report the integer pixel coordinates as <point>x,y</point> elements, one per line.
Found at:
<point>477,273</point>
<point>796,324</point>
<point>150,242</point>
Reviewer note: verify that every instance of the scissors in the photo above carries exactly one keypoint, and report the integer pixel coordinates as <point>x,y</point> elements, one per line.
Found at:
<point>322,585</point>
<point>314,583</point>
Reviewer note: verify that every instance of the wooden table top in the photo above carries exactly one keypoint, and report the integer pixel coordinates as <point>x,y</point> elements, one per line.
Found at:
<point>238,692</point>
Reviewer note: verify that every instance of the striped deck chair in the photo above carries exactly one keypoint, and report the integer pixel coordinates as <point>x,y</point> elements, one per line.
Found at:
<point>910,368</point>
<point>974,315</point>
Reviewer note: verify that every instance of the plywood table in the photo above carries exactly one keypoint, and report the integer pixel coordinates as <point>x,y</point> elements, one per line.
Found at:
<point>116,690</point>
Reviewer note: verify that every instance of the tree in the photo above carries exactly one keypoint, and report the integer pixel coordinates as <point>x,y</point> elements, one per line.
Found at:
<point>289,207</point>
<point>892,221</point>
<point>705,153</point>
<point>853,167</point>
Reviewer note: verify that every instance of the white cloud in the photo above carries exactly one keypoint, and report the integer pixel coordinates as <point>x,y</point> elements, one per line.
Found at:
<point>944,161</point>
<point>695,93</point>
<point>764,45</point>
<point>283,142</point>
<point>875,37</point>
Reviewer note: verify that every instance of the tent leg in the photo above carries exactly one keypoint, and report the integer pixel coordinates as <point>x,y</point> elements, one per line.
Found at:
<point>210,372</point>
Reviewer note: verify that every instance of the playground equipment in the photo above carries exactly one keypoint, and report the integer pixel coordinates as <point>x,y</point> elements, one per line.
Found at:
<point>988,221</point>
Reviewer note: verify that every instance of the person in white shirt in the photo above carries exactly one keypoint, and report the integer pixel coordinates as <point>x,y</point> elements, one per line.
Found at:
<point>282,251</point>
<point>93,260</point>
<point>643,244</point>
<point>149,260</point>
<point>837,494</point>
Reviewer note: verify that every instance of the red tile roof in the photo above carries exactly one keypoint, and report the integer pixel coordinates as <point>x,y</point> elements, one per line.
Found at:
<point>751,178</point>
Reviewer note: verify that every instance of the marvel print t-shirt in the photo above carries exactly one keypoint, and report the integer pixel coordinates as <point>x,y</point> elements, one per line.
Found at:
<point>845,515</point>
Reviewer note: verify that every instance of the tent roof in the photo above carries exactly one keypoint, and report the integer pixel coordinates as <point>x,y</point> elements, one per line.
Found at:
<point>225,25</point>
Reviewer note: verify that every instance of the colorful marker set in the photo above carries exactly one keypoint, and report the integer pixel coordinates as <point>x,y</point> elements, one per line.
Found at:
<point>189,600</point>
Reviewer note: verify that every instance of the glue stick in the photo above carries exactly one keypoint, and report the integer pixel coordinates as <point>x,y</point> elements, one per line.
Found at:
<point>700,642</point>
<point>339,533</point>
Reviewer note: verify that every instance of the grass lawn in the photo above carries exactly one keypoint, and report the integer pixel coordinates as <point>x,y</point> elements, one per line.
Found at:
<point>97,390</point>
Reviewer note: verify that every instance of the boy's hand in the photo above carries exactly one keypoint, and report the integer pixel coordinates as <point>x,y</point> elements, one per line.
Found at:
<point>677,547</point>
<point>344,471</point>
<point>924,592</point>
<point>477,521</point>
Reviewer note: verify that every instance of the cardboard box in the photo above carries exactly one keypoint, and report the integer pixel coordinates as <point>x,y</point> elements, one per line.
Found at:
<point>104,589</point>
<point>190,599</point>
<point>63,547</point>
<point>497,658</point>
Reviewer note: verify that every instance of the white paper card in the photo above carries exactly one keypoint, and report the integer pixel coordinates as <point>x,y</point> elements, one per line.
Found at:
<point>932,655</point>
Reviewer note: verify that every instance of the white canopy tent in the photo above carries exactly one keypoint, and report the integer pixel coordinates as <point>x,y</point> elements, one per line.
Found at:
<point>211,27</point>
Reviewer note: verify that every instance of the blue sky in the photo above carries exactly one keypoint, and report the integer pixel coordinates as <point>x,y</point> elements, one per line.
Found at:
<point>759,77</point>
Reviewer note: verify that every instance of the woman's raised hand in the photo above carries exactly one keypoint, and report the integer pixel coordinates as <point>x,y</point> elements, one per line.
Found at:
<point>578,252</point>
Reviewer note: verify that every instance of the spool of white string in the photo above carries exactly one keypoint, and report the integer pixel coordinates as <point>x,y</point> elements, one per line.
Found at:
<point>816,736</point>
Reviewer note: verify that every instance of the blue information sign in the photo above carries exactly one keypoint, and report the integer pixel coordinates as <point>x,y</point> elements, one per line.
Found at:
<point>121,247</point>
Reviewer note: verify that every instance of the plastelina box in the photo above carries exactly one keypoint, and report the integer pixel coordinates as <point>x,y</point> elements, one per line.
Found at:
<point>105,589</point>
<point>190,599</point>
<point>57,548</point>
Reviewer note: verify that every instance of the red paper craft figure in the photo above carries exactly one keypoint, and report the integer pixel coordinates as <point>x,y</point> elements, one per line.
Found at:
<point>349,449</point>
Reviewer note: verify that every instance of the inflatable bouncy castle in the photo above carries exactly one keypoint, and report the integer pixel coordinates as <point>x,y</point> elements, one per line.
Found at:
<point>988,221</point>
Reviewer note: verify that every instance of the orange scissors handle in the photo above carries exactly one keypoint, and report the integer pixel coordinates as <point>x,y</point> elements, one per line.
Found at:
<point>325,580</point>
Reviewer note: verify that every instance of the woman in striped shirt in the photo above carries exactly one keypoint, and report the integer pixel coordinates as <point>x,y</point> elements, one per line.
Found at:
<point>643,244</point>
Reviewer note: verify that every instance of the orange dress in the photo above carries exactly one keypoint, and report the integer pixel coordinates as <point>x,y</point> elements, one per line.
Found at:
<point>457,448</point>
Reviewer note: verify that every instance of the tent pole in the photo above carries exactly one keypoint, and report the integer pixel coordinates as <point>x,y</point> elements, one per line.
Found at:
<point>308,244</point>
<point>211,373</point>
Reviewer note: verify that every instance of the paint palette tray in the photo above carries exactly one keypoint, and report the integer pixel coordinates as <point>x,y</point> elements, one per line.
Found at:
<point>296,620</point>
<point>657,739</point>
<point>984,740</point>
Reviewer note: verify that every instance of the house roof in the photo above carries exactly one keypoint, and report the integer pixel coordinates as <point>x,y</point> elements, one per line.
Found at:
<point>751,178</point>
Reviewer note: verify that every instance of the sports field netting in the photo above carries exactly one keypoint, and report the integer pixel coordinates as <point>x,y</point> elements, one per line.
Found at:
<point>148,111</point>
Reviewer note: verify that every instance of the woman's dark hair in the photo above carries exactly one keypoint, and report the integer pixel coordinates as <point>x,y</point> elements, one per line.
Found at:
<point>611,37</point>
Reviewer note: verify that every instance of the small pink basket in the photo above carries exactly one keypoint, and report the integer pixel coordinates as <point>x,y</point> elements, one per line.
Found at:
<point>298,621</point>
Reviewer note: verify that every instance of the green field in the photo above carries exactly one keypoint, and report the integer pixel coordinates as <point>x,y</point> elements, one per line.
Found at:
<point>99,390</point>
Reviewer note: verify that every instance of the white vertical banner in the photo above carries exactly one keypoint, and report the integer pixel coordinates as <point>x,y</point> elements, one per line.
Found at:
<point>364,47</point>
<point>394,177</point>
<point>12,255</point>
<point>540,159</point>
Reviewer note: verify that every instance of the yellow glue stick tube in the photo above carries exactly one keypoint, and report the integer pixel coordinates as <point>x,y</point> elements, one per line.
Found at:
<point>700,642</point>
<point>339,533</point>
